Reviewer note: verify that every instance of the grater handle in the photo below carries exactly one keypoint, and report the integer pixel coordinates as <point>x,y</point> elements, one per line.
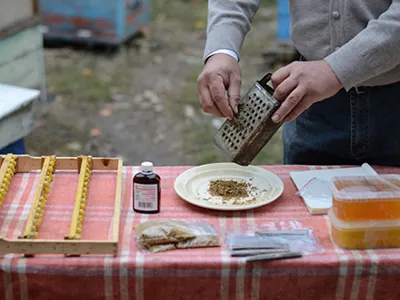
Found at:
<point>263,82</point>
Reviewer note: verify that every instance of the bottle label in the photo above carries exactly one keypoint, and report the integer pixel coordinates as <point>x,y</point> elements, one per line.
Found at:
<point>145,196</point>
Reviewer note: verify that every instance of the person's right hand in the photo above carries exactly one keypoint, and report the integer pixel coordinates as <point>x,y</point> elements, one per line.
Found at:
<point>219,86</point>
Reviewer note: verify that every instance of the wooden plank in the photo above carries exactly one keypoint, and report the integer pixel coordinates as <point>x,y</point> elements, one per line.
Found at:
<point>27,163</point>
<point>35,4</point>
<point>80,200</point>
<point>20,44</point>
<point>13,11</point>
<point>19,26</point>
<point>26,71</point>
<point>57,247</point>
<point>37,209</point>
<point>117,204</point>
<point>22,59</point>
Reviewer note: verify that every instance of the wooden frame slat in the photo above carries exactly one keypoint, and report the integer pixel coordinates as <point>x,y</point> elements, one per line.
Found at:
<point>76,224</point>
<point>40,197</point>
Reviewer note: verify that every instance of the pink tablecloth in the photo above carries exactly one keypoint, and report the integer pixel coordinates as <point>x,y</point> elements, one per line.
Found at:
<point>189,274</point>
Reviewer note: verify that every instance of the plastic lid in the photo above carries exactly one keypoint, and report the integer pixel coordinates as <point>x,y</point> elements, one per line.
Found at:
<point>147,166</point>
<point>349,188</point>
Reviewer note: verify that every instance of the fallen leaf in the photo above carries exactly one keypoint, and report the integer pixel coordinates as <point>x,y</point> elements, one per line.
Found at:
<point>200,24</point>
<point>95,132</point>
<point>74,146</point>
<point>152,96</point>
<point>106,112</point>
<point>87,72</point>
<point>158,59</point>
<point>189,111</point>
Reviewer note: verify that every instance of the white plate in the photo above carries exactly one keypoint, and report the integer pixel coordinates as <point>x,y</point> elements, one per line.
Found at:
<point>192,185</point>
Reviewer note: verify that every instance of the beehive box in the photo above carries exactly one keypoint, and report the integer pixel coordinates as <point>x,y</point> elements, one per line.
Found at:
<point>22,56</point>
<point>14,11</point>
<point>64,205</point>
<point>16,113</point>
<point>283,26</point>
<point>101,22</point>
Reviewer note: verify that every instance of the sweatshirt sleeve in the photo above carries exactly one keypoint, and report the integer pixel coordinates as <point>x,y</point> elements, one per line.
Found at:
<point>372,52</point>
<point>228,23</point>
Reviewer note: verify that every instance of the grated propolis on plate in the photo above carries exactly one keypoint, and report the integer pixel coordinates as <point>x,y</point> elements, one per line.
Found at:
<point>230,191</point>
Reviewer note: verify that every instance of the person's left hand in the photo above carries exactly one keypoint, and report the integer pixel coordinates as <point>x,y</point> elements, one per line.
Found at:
<point>299,85</point>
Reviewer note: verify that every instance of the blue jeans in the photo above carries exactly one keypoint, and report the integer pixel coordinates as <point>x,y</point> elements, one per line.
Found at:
<point>17,147</point>
<point>349,128</point>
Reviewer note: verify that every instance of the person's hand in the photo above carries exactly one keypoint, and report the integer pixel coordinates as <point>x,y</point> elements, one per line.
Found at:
<point>219,86</point>
<point>299,85</point>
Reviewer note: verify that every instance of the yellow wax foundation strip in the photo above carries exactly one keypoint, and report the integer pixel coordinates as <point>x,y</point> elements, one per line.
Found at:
<point>7,171</point>
<point>81,198</point>
<point>39,202</point>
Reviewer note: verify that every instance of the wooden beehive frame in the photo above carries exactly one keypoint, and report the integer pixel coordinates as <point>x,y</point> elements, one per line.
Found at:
<point>27,243</point>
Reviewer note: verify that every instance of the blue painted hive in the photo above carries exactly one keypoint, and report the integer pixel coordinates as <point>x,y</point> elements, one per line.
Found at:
<point>98,21</point>
<point>283,20</point>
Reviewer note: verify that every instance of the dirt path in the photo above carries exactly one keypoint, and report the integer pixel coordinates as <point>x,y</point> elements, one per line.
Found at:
<point>141,103</point>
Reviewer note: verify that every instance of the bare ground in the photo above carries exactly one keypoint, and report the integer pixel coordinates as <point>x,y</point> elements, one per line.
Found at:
<point>141,103</point>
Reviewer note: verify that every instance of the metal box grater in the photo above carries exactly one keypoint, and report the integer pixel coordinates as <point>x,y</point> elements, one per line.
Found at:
<point>242,141</point>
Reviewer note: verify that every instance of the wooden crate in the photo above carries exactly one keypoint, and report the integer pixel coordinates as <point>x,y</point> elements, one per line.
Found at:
<point>22,56</point>
<point>15,11</point>
<point>28,242</point>
<point>100,22</point>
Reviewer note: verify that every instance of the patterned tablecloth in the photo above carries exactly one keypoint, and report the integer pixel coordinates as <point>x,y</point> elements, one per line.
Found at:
<point>184,274</point>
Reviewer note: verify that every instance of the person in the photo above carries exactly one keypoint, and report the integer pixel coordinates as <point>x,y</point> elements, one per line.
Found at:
<point>340,103</point>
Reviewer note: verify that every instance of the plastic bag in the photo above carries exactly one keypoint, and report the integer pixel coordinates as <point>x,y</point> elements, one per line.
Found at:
<point>165,235</point>
<point>270,238</point>
<point>317,192</point>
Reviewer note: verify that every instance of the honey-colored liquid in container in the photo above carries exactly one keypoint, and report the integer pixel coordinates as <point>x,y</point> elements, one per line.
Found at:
<point>365,235</point>
<point>364,198</point>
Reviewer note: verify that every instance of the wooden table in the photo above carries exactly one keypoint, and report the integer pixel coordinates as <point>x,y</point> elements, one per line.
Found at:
<point>199,273</point>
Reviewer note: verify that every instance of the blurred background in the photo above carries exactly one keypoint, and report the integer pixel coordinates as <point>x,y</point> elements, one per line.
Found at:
<point>118,77</point>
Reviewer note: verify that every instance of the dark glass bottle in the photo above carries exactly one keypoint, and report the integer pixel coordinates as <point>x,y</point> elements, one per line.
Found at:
<point>146,190</point>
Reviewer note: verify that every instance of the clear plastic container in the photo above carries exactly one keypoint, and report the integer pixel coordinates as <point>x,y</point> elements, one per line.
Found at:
<point>365,235</point>
<point>366,198</point>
